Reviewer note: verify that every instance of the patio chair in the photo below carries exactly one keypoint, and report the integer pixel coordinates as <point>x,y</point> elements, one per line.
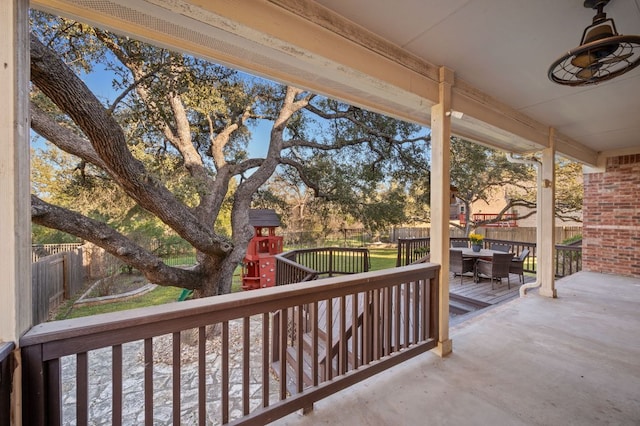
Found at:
<point>462,244</point>
<point>496,269</point>
<point>501,247</point>
<point>517,264</point>
<point>459,264</point>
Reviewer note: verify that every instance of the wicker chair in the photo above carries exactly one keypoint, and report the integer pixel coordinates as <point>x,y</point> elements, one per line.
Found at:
<point>463,244</point>
<point>517,264</point>
<point>501,247</point>
<point>495,269</point>
<point>459,264</point>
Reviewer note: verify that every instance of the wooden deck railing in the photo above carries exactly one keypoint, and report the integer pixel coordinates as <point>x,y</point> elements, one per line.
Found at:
<point>568,258</point>
<point>198,357</point>
<point>6,376</point>
<point>308,264</point>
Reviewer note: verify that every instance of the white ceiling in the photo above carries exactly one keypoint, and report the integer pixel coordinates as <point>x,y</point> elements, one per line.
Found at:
<point>500,47</point>
<point>504,48</point>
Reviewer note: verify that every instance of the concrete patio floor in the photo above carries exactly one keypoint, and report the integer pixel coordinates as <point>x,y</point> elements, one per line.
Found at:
<point>574,360</point>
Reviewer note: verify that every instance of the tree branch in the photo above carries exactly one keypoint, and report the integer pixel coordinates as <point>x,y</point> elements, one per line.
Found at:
<point>72,96</point>
<point>63,138</point>
<point>114,243</point>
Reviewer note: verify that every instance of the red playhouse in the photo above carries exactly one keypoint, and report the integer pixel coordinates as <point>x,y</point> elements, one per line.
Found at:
<point>259,268</point>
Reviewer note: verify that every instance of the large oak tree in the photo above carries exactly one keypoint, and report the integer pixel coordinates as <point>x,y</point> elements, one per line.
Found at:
<point>173,144</point>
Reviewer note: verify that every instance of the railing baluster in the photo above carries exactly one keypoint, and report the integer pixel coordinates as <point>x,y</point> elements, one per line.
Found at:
<point>314,343</point>
<point>328,361</point>
<point>375,323</point>
<point>425,310</point>
<point>82,389</point>
<point>246,346</point>
<point>176,378</point>
<point>116,379</point>
<point>386,314</point>
<point>202,380</point>
<point>396,317</point>
<point>54,390</point>
<point>284,323</point>
<point>355,314</point>
<point>407,309</point>
<point>225,372</point>
<point>342,346</point>
<point>299,350</point>
<point>416,308</point>
<point>265,360</point>
<point>148,382</point>
<point>366,329</point>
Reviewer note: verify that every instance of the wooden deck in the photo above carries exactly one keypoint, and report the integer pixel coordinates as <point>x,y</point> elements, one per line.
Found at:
<point>482,291</point>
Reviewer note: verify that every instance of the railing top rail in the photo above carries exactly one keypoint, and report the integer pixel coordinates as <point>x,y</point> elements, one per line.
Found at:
<point>568,247</point>
<point>5,349</point>
<point>120,327</point>
<point>285,258</point>
<point>323,249</point>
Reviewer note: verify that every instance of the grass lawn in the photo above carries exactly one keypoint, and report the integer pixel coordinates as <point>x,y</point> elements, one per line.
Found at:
<point>383,258</point>
<point>379,259</point>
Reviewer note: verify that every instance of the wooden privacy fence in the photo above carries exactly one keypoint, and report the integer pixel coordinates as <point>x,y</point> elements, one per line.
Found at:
<point>399,313</point>
<point>53,279</point>
<point>38,251</point>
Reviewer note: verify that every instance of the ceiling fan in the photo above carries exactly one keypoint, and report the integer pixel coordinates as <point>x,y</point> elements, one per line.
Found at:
<point>602,55</point>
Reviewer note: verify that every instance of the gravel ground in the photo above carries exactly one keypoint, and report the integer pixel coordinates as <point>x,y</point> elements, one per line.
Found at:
<point>100,390</point>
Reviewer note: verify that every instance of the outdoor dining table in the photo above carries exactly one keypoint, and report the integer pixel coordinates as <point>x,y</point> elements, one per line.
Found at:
<point>482,254</point>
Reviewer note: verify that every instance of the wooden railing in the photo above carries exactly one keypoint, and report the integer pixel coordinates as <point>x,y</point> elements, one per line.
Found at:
<point>568,258</point>
<point>200,356</point>
<point>309,264</point>
<point>6,376</point>
<point>289,272</point>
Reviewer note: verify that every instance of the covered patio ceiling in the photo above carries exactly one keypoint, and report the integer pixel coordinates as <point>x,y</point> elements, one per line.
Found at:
<point>386,56</point>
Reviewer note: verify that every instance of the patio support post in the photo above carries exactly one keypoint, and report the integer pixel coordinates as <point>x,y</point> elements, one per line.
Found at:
<point>546,220</point>
<point>440,201</point>
<point>15,218</point>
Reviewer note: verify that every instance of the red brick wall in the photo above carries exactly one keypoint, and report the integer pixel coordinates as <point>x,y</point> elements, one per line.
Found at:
<point>611,229</point>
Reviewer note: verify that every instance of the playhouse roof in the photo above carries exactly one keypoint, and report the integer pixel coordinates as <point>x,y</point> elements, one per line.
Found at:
<point>263,217</point>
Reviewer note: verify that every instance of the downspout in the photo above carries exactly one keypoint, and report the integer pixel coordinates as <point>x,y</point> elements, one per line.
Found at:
<point>536,165</point>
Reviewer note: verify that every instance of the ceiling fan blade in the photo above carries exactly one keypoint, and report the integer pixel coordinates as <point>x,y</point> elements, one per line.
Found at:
<point>616,59</point>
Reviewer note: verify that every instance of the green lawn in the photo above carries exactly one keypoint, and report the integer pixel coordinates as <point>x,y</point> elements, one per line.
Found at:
<point>383,258</point>
<point>158,296</point>
<point>379,259</point>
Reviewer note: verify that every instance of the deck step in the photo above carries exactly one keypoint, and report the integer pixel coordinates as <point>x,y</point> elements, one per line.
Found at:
<point>460,305</point>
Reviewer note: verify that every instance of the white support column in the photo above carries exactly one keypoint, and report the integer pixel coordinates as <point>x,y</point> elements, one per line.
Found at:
<point>15,218</point>
<point>440,200</point>
<point>547,220</point>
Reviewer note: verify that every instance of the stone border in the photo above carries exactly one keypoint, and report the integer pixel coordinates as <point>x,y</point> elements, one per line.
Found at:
<point>84,301</point>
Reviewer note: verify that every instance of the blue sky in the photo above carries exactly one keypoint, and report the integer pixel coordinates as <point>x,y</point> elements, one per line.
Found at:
<point>100,83</point>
